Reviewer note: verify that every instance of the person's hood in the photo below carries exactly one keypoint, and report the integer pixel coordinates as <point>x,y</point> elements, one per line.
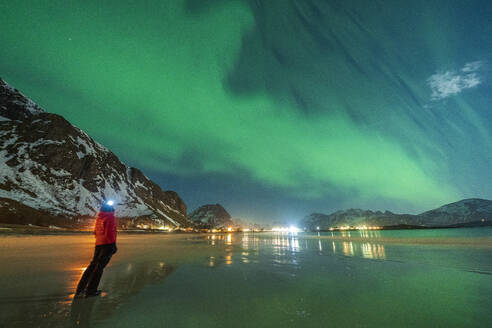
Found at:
<point>107,208</point>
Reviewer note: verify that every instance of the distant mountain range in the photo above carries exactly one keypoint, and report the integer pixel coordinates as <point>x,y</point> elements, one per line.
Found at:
<point>467,212</point>
<point>51,172</point>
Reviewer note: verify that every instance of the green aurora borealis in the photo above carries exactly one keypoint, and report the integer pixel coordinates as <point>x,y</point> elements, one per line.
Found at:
<point>273,108</point>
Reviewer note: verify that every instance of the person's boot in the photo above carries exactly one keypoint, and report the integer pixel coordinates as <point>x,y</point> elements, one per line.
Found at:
<point>94,293</point>
<point>79,294</point>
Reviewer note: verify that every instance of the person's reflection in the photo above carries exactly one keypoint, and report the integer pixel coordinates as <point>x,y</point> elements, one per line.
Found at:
<point>127,281</point>
<point>81,310</point>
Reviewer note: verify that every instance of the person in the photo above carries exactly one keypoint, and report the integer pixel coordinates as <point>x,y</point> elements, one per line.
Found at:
<point>105,233</point>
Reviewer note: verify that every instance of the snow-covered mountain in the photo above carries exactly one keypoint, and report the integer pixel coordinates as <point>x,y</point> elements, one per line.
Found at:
<point>466,212</point>
<point>211,216</point>
<point>357,217</point>
<point>51,172</point>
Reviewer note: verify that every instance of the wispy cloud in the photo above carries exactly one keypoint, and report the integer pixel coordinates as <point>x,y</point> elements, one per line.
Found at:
<point>449,83</point>
<point>472,66</point>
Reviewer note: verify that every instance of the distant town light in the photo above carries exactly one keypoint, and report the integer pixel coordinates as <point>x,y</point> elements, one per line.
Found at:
<point>286,229</point>
<point>294,229</point>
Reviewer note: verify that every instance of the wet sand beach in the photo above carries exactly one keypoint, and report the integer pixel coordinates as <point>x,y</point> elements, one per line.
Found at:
<point>385,279</point>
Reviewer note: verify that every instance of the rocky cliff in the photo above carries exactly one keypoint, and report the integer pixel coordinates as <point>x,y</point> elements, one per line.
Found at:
<point>211,216</point>
<point>51,172</point>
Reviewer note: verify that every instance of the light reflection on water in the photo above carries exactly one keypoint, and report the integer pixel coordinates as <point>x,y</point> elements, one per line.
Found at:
<point>369,233</point>
<point>373,251</point>
<point>284,247</point>
<point>348,248</point>
<point>366,250</point>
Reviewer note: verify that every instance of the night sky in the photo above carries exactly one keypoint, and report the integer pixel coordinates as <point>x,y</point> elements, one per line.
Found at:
<point>275,109</point>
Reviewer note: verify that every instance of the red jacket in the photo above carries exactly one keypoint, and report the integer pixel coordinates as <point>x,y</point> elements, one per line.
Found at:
<point>105,228</point>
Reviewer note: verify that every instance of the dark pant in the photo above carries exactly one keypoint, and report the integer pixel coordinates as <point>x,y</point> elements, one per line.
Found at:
<point>92,274</point>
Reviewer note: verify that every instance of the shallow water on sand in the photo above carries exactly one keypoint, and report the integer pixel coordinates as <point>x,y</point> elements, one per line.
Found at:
<point>418,278</point>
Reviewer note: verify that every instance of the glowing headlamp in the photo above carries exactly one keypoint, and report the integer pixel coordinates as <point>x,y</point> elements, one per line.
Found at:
<point>110,202</point>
